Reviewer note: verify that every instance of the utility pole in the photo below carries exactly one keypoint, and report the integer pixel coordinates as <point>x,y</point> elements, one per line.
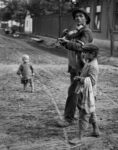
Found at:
<point>110,28</point>
<point>60,17</point>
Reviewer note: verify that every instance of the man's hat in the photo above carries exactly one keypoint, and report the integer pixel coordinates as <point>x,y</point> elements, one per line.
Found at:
<point>81,10</point>
<point>90,48</point>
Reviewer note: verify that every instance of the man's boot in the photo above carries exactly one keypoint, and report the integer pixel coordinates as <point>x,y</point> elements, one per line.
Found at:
<point>63,123</point>
<point>96,132</point>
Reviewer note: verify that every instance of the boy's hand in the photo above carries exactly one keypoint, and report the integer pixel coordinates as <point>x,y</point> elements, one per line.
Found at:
<point>81,79</point>
<point>63,40</point>
<point>20,76</point>
<point>33,74</point>
<point>77,78</point>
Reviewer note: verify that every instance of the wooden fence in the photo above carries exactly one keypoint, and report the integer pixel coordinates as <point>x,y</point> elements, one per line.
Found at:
<point>48,25</point>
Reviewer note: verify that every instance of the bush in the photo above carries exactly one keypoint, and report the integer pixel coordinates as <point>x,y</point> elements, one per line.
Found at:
<point>14,29</point>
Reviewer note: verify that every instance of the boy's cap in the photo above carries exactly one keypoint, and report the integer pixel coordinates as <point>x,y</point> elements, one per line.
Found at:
<point>81,10</point>
<point>90,48</point>
<point>25,56</point>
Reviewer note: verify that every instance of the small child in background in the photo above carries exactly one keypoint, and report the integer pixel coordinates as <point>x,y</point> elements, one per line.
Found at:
<point>26,73</point>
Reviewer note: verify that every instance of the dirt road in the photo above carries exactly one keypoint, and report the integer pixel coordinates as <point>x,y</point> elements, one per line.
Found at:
<point>28,120</point>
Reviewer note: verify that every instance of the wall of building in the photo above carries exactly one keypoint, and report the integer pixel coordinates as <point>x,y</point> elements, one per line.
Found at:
<point>49,25</point>
<point>28,24</point>
<point>46,25</point>
<point>102,34</point>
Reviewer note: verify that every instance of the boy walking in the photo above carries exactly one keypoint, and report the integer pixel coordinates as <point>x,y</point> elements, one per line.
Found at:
<point>26,72</point>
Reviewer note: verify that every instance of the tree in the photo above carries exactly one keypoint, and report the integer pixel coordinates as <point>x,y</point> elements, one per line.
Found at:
<point>5,14</point>
<point>33,6</point>
<point>39,7</point>
<point>14,10</point>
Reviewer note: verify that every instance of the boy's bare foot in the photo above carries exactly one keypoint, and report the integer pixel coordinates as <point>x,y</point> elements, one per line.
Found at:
<point>63,123</point>
<point>75,141</point>
<point>32,91</point>
<point>24,90</point>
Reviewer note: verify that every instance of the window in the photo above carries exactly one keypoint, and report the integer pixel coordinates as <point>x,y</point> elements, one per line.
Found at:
<point>97,15</point>
<point>116,16</point>
<point>88,10</point>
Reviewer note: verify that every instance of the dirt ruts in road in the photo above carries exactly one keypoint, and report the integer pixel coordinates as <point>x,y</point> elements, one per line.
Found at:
<point>28,120</point>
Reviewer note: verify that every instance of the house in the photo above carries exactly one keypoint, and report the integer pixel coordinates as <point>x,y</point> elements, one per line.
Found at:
<point>104,17</point>
<point>12,23</point>
<point>28,27</point>
<point>104,20</point>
